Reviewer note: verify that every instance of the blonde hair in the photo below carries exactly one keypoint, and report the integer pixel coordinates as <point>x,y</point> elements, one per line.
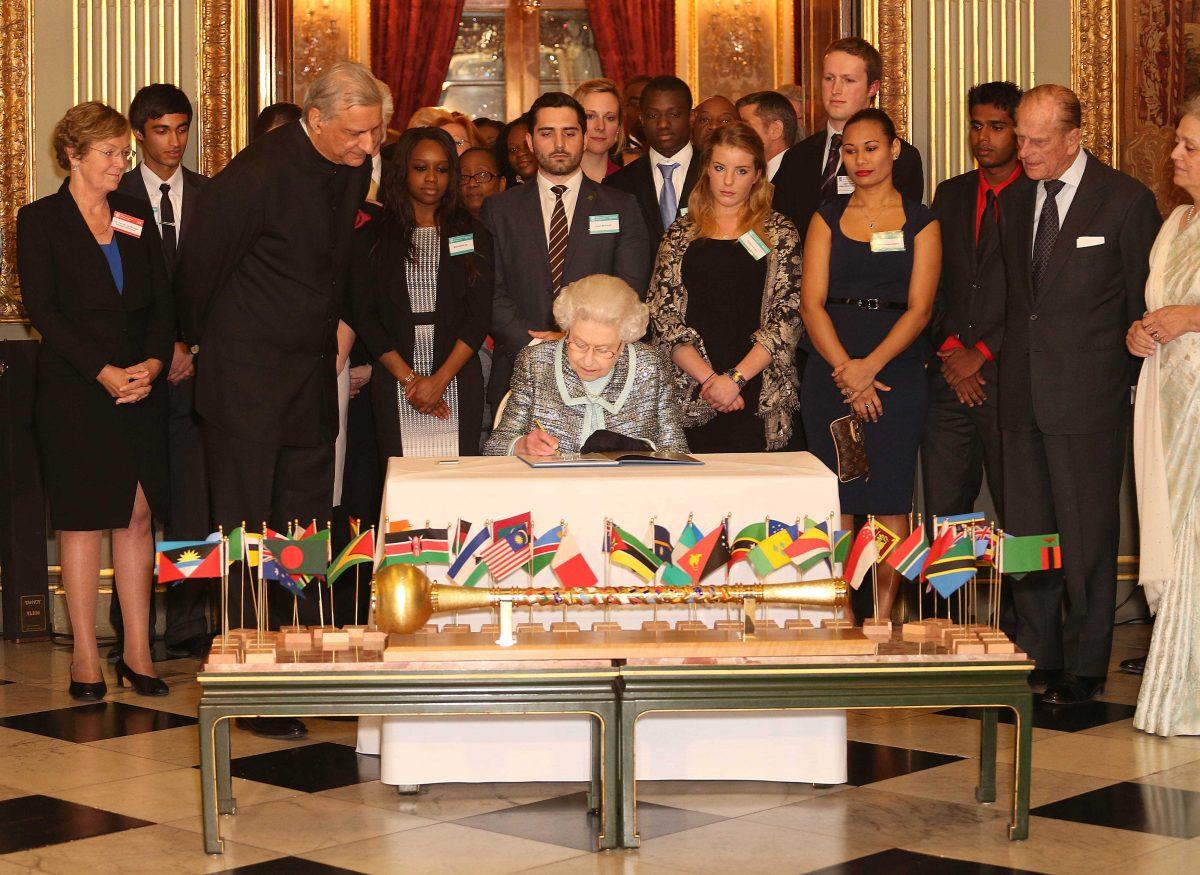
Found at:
<point>597,86</point>
<point>454,117</point>
<point>342,86</point>
<point>608,300</point>
<point>83,125</point>
<point>427,117</point>
<point>735,135</point>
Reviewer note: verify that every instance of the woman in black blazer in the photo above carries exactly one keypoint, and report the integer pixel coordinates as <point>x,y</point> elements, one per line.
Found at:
<point>94,282</point>
<point>421,298</point>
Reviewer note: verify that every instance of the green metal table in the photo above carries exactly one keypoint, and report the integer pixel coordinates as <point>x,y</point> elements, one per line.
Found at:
<point>386,689</point>
<point>860,682</point>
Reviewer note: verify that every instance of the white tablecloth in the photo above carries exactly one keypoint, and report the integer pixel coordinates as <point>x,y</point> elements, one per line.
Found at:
<point>775,746</point>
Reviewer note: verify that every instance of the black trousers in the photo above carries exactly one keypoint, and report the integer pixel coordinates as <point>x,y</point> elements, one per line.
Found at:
<point>265,483</point>
<point>188,519</point>
<point>1068,484</point>
<point>961,444</point>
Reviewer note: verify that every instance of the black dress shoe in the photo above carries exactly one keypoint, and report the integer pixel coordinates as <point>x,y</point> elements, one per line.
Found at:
<point>1040,678</point>
<point>1136,666</point>
<point>143,684</point>
<point>189,648</point>
<point>87,692</point>
<point>280,728</point>
<point>1073,690</point>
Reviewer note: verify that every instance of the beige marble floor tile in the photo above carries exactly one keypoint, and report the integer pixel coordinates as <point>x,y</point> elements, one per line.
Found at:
<point>12,737</point>
<point>45,765</point>
<point>1052,846</point>
<point>13,869</point>
<point>153,850</point>
<point>1180,857</point>
<point>166,796</point>
<point>606,863</point>
<point>442,849</point>
<point>23,698</point>
<point>890,817</point>
<point>181,745</point>
<point>939,733</point>
<point>1121,688</point>
<point>729,798</point>
<point>306,823</point>
<point>1120,760</point>
<point>955,782</point>
<point>10,792</point>
<point>183,699</point>
<point>747,847</point>
<point>451,801</point>
<point>1124,729</point>
<point>1185,777</point>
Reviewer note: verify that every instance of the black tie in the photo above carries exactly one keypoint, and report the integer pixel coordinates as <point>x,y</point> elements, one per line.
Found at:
<point>1047,231</point>
<point>829,174</point>
<point>166,213</point>
<point>987,226</point>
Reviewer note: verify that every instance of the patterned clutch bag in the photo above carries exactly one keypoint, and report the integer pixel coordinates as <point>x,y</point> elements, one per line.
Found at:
<point>851,448</point>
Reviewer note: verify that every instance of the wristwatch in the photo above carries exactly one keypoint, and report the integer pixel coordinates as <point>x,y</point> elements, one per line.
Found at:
<point>736,375</point>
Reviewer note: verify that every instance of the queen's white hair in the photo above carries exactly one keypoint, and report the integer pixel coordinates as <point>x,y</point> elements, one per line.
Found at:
<point>605,299</point>
<point>342,86</point>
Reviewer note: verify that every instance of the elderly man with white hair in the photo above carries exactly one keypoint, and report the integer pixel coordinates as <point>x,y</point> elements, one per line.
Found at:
<point>597,377</point>
<point>260,292</point>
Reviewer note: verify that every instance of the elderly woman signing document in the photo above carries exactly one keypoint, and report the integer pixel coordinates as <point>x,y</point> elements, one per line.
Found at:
<point>596,377</point>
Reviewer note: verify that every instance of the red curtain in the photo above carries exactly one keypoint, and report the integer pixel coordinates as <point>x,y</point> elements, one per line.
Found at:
<point>634,37</point>
<point>411,45</point>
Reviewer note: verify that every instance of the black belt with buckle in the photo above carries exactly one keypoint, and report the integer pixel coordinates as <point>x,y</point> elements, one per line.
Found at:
<point>867,303</point>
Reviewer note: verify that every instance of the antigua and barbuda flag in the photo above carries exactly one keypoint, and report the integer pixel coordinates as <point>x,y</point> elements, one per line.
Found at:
<point>186,560</point>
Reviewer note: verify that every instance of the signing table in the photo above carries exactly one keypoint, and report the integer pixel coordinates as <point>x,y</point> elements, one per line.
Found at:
<point>747,486</point>
<point>613,681</point>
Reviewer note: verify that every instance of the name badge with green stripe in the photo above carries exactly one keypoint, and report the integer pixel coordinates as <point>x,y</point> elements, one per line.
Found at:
<point>606,224</point>
<point>462,244</point>
<point>753,244</point>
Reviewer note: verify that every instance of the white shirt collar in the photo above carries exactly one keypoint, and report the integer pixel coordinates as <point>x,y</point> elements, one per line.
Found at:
<point>572,182</point>
<point>1073,175</point>
<point>773,164</point>
<point>152,180</point>
<point>683,157</point>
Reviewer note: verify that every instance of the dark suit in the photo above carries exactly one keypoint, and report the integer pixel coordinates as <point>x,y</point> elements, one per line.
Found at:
<point>637,178</point>
<point>962,442</point>
<point>94,451</point>
<point>189,517</point>
<point>261,287</point>
<point>383,318</point>
<point>1065,380</point>
<point>523,296</point>
<point>798,180</point>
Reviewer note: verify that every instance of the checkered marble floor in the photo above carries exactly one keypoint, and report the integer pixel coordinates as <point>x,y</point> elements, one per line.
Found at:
<point>112,787</point>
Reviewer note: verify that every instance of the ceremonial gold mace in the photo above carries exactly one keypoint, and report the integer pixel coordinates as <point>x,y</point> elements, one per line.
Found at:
<point>405,598</point>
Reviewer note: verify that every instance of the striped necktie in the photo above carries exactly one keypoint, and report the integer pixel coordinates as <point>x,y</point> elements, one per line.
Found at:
<point>558,240</point>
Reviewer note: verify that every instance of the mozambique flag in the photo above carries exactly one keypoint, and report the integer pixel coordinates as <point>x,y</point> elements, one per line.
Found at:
<point>770,553</point>
<point>673,574</point>
<point>840,545</point>
<point>360,549</point>
<point>295,557</point>
<point>184,560</point>
<point>909,557</point>
<point>544,549</point>
<point>1022,554</point>
<point>954,568</point>
<point>626,550</point>
<point>885,540</point>
<point>707,555</point>
<point>811,548</point>
<point>745,541</point>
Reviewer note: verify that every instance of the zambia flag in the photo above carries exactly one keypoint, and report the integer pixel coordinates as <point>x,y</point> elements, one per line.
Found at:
<point>954,568</point>
<point>628,551</point>
<point>294,557</point>
<point>1031,553</point>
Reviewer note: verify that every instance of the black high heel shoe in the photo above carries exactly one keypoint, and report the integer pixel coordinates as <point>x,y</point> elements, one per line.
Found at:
<point>143,684</point>
<point>87,692</point>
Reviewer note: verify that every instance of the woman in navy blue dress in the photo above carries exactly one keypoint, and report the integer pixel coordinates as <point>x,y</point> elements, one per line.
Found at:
<point>871,266</point>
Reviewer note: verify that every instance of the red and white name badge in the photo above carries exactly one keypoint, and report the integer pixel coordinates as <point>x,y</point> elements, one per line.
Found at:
<point>127,224</point>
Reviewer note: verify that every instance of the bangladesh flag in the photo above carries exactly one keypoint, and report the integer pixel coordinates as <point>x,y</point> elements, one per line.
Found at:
<point>308,556</point>
<point>1031,553</point>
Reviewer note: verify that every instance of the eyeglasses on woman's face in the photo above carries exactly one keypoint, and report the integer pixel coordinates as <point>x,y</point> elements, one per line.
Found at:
<point>110,154</point>
<point>607,353</point>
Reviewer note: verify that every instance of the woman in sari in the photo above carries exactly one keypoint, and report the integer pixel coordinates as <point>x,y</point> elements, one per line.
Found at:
<point>1166,429</point>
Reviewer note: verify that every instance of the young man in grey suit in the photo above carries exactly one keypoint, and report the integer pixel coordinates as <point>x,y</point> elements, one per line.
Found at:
<point>1076,238</point>
<point>161,118</point>
<point>557,228</point>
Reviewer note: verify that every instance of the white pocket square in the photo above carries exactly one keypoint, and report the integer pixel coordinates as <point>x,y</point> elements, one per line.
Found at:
<point>1085,242</point>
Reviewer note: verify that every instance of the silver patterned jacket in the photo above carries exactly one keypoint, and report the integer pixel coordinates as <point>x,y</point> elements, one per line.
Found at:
<point>639,401</point>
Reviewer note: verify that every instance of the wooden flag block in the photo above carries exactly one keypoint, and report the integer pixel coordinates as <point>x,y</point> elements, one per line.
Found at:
<point>489,629</point>
<point>876,628</point>
<point>457,628</point>
<point>797,624</point>
<point>920,630</point>
<point>656,625</point>
<point>836,624</point>
<point>689,626</point>
<point>728,625</point>
<point>355,633</point>
<point>530,627</point>
<point>969,645</point>
<point>564,626</point>
<point>224,656</point>
<point>374,639</point>
<point>335,639</point>
<point>260,654</point>
<point>606,626</point>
